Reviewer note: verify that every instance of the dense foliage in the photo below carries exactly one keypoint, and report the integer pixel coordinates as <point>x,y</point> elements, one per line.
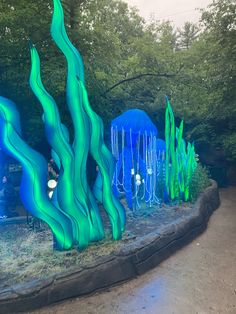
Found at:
<point>199,182</point>
<point>129,63</point>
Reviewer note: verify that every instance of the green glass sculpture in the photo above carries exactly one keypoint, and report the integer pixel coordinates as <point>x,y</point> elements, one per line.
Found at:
<point>74,218</point>
<point>180,163</point>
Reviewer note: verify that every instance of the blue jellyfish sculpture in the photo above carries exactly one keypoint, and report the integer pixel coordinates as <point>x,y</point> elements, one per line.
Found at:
<point>161,171</point>
<point>161,153</point>
<point>133,141</point>
<point>161,148</point>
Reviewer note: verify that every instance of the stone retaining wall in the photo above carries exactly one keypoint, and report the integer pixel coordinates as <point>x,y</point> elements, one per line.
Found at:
<point>135,259</point>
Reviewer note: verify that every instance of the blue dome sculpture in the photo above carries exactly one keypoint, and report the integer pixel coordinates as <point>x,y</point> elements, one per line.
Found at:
<point>137,120</point>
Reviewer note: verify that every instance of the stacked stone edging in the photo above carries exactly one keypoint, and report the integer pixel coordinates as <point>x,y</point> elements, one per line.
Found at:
<point>134,259</point>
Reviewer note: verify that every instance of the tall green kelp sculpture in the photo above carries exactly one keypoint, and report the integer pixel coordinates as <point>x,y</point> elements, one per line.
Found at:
<point>180,161</point>
<point>74,218</point>
<point>34,178</point>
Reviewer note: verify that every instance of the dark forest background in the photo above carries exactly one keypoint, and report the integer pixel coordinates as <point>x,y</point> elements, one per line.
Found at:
<point>130,64</point>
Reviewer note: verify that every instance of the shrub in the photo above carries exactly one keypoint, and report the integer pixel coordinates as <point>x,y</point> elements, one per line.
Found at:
<point>199,182</point>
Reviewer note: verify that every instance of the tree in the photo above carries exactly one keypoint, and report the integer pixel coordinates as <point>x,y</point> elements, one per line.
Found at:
<point>187,35</point>
<point>204,92</point>
<point>129,62</point>
<point>220,34</point>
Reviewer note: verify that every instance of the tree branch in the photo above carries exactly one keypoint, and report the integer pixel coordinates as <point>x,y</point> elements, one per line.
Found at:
<point>136,78</point>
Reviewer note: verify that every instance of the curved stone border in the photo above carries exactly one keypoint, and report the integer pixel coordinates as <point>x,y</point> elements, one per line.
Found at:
<point>135,259</point>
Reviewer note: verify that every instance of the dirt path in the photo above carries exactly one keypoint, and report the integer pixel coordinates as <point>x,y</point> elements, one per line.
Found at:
<point>200,278</point>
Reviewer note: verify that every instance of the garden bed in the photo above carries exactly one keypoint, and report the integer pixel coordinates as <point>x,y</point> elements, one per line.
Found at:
<point>26,254</point>
<point>33,275</point>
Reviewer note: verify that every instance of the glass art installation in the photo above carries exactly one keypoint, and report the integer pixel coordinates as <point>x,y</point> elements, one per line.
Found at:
<point>133,141</point>
<point>72,213</point>
<point>180,159</point>
<point>148,168</point>
<point>141,166</point>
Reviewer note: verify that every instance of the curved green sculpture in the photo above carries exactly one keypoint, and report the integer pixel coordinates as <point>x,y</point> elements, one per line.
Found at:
<point>34,178</point>
<point>180,162</point>
<point>74,217</point>
<point>61,146</point>
<point>88,129</point>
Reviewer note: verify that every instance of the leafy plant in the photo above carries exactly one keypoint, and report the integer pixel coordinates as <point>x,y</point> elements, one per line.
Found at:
<point>199,182</point>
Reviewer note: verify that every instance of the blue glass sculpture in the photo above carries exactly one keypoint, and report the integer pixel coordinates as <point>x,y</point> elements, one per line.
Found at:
<point>133,141</point>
